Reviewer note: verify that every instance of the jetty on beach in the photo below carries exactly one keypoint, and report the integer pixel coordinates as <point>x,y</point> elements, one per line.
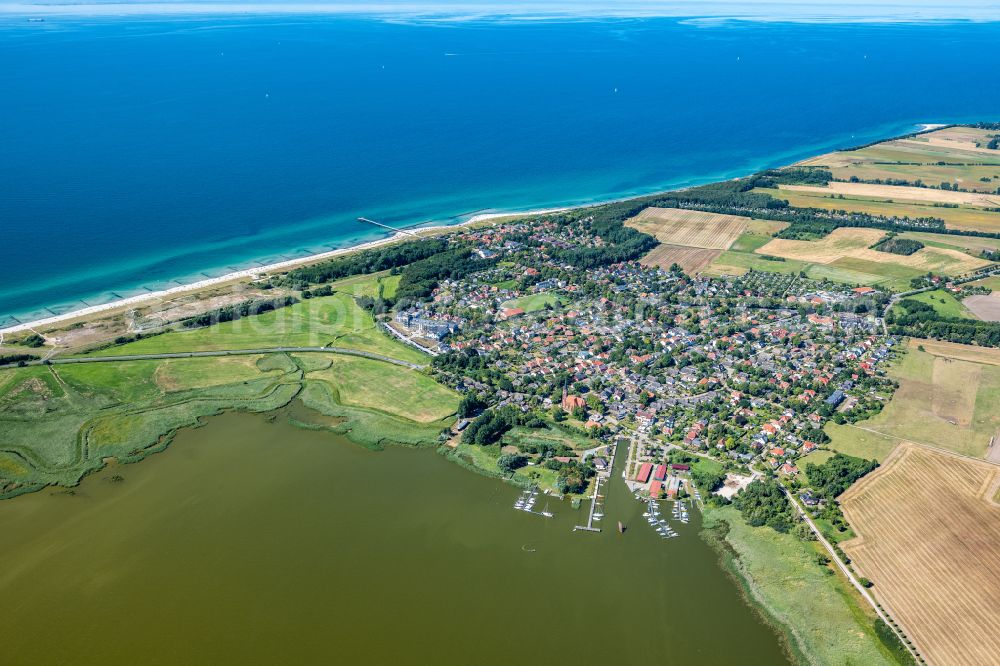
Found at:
<point>386,226</point>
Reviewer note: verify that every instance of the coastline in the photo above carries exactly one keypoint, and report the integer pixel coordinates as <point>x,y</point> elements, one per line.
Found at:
<point>249,273</point>
<point>256,272</point>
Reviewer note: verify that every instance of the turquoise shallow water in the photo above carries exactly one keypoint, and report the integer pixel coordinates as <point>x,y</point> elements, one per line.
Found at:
<point>144,151</point>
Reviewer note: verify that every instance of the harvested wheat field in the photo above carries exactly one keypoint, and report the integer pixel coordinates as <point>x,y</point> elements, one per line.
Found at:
<point>690,228</point>
<point>900,193</point>
<point>972,353</point>
<point>691,259</point>
<point>929,540</point>
<point>855,243</point>
<point>984,306</point>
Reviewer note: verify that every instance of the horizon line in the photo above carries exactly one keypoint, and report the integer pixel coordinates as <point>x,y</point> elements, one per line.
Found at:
<point>706,13</point>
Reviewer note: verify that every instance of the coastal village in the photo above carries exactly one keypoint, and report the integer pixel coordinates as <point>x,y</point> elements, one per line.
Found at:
<point>741,371</point>
<point>807,378</point>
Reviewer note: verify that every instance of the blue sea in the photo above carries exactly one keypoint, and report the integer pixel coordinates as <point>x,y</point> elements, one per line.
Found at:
<point>139,152</point>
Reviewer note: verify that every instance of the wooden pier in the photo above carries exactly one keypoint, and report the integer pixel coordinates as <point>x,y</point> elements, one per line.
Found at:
<point>386,226</point>
<point>589,527</point>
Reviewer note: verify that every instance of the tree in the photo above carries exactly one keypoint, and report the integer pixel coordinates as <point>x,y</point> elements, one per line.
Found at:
<point>33,340</point>
<point>837,474</point>
<point>511,462</point>
<point>470,405</point>
<point>763,502</point>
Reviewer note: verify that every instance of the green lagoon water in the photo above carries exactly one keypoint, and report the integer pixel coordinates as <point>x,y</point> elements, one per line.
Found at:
<point>252,541</point>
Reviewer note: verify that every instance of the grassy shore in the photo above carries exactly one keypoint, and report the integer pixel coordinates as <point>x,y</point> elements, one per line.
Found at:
<point>821,618</point>
<point>335,320</point>
<point>59,423</point>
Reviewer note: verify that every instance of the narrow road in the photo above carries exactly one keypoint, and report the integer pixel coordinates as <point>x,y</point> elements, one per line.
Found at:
<point>850,575</point>
<point>231,352</point>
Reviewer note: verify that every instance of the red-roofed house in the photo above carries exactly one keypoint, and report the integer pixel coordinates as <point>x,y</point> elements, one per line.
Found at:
<point>644,471</point>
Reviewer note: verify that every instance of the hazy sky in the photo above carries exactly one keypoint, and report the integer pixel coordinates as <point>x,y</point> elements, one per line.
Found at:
<point>808,10</point>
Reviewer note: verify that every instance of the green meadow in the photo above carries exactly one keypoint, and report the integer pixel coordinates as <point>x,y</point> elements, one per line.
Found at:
<point>335,320</point>
<point>943,302</point>
<point>943,402</point>
<point>821,618</point>
<point>743,257</point>
<point>533,302</point>
<point>61,422</point>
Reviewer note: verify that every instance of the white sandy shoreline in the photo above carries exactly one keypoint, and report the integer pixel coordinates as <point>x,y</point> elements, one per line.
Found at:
<point>258,271</point>
<point>253,273</point>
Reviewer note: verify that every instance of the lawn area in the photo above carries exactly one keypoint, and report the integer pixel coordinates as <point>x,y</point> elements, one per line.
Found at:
<point>734,262</point>
<point>368,285</point>
<point>943,303</point>
<point>533,302</point>
<point>361,382</point>
<point>706,465</point>
<point>822,618</point>
<point>858,271</point>
<point>944,400</point>
<point>483,459</point>
<point>860,443</point>
<point>817,457</point>
<point>552,435</point>
<point>335,320</point>
<point>749,242</point>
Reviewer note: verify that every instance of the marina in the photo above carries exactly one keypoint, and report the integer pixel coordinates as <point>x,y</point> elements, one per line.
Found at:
<point>526,502</point>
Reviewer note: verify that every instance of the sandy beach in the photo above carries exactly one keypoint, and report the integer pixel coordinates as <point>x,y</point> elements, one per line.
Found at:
<point>256,272</point>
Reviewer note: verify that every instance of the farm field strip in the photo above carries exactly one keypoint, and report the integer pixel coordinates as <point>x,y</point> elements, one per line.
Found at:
<point>691,259</point>
<point>971,219</point>
<point>985,307</point>
<point>954,350</point>
<point>855,243</point>
<point>930,541</point>
<point>900,192</point>
<point>690,228</point>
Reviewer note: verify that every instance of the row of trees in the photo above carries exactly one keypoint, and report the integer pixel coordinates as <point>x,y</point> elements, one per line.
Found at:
<point>419,279</point>
<point>247,308</point>
<point>366,261</point>
<point>18,359</point>
<point>921,320</point>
